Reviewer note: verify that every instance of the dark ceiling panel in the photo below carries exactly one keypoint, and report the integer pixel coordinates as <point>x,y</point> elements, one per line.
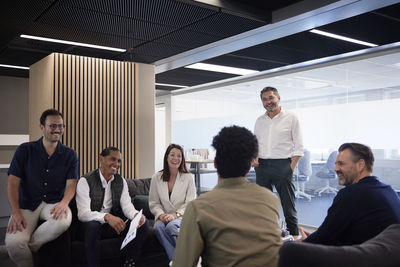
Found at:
<point>392,12</point>
<point>224,25</point>
<point>156,29</point>
<point>268,5</point>
<point>18,16</point>
<point>82,20</point>
<point>158,50</point>
<point>172,13</point>
<point>161,12</point>
<point>135,57</point>
<point>24,44</point>
<point>18,13</point>
<point>14,72</point>
<point>190,77</point>
<point>370,27</point>
<point>57,32</point>
<point>188,39</point>
<point>16,56</point>
<point>306,46</point>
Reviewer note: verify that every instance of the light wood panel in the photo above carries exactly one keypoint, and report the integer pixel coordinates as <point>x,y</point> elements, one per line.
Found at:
<point>96,97</point>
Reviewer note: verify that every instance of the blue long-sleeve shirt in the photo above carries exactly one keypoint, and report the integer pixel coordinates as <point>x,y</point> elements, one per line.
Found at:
<point>359,212</point>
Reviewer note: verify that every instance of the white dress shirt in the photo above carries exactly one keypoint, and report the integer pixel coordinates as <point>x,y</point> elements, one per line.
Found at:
<point>279,137</point>
<point>183,192</point>
<point>85,214</point>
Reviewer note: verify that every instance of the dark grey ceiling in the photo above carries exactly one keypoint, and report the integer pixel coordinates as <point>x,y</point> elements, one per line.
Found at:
<point>153,30</point>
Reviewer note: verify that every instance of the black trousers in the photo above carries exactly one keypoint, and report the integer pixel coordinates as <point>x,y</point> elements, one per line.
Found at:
<point>278,172</point>
<point>94,232</point>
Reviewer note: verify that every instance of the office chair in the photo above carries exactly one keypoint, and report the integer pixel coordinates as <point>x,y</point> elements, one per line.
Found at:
<point>302,174</point>
<point>328,173</point>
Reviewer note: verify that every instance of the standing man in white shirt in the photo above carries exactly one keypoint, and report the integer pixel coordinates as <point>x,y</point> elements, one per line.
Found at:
<point>103,202</point>
<point>280,148</point>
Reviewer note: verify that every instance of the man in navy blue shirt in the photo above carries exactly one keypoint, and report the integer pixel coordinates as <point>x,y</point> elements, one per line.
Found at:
<point>361,210</point>
<point>42,181</point>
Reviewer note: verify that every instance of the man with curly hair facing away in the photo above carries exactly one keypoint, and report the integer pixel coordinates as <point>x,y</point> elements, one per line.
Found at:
<point>235,224</point>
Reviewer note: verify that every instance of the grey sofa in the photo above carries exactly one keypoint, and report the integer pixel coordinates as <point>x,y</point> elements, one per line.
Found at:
<point>382,250</point>
<point>69,246</point>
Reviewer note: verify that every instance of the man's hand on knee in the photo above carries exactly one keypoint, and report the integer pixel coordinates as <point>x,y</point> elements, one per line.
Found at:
<point>17,223</point>
<point>60,210</point>
<point>115,222</point>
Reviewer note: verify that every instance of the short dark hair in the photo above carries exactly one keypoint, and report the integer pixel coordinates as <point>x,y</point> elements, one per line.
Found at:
<point>360,151</point>
<point>235,147</point>
<point>182,168</point>
<point>49,112</point>
<point>106,151</point>
<point>269,89</point>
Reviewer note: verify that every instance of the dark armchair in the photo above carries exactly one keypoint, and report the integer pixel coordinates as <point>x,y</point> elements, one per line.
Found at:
<point>382,250</point>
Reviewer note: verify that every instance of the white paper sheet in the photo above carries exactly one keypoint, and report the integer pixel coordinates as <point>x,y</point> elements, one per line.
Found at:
<point>132,230</point>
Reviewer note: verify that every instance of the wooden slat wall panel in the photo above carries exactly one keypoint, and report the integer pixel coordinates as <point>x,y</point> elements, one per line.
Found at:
<point>96,97</point>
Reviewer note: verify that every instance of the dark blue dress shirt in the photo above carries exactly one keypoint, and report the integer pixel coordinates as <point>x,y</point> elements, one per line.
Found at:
<point>43,178</point>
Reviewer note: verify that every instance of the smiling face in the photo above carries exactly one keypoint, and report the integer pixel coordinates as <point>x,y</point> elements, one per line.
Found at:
<point>270,101</point>
<point>174,159</point>
<point>109,165</point>
<point>346,169</point>
<point>53,128</point>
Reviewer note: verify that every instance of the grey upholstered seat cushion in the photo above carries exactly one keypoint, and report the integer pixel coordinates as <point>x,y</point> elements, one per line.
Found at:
<point>139,192</point>
<point>382,250</point>
<point>138,186</point>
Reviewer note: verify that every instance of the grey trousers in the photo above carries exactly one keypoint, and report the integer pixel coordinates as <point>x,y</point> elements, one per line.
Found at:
<point>277,172</point>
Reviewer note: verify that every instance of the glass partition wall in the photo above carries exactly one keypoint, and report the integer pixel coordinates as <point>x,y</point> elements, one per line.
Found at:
<point>358,101</point>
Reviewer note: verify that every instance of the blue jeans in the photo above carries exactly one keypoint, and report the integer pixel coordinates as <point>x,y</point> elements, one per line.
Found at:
<point>167,235</point>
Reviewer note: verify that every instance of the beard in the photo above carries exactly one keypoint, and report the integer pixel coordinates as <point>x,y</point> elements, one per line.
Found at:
<point>271,107</point>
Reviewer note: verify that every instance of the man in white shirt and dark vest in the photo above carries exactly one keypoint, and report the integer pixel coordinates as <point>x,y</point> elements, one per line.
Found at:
<point>280,149</point>
<point>104,204</point>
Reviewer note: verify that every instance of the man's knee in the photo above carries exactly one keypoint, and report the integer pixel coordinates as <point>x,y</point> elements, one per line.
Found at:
<point>91,228</point>
<point>64,223</point>
<point>15,242</point>
<point>144,229</point>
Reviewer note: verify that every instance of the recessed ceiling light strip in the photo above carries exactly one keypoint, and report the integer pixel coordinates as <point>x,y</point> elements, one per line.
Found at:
<point>14,67</point>
<point>343,38</point>
<point>171,85</point>
<point>72,43</point>
<point>219,68</point>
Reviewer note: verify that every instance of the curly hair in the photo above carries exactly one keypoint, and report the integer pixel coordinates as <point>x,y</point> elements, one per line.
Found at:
<point>235,147</point>
<point>182,168</point>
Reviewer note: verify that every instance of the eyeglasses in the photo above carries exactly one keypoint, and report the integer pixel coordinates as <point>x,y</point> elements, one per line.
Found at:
<point>55,126</point>
<point>270,98</point>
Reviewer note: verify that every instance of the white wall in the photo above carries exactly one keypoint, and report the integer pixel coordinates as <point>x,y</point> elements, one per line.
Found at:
<point>374,123</point>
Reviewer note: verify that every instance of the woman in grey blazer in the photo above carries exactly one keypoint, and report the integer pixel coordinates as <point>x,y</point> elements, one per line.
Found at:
<point>170,190</point>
